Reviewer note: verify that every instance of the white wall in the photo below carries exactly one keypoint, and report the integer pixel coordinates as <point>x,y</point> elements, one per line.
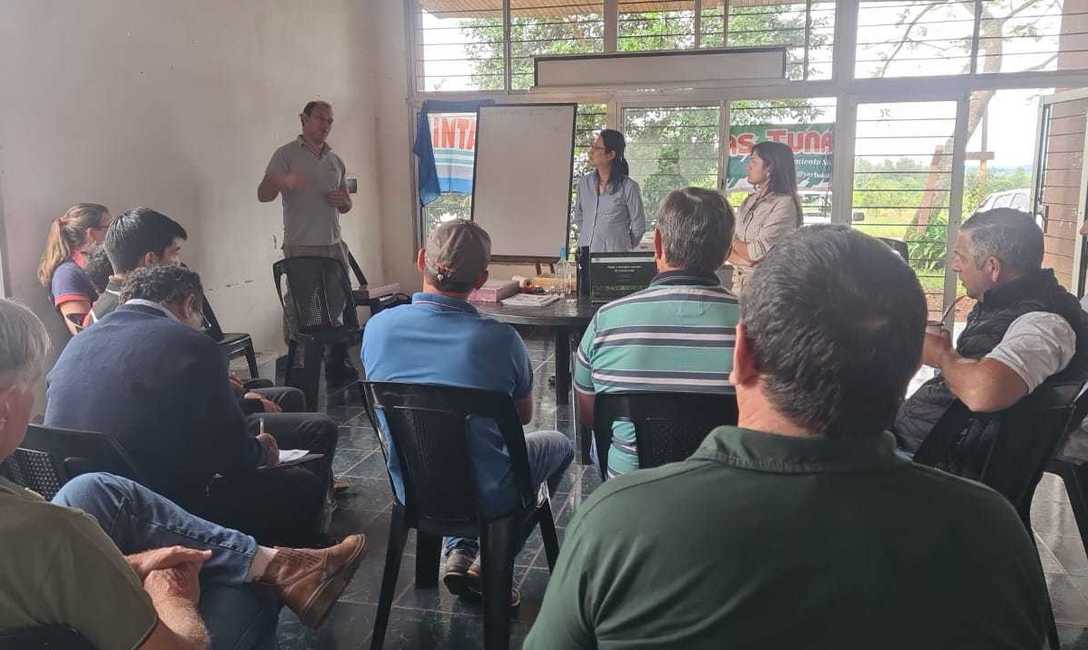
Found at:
<point>393,141</point>
<point>177,105</point>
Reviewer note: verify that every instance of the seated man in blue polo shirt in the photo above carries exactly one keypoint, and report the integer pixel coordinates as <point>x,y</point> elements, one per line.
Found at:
<point>441,339</point>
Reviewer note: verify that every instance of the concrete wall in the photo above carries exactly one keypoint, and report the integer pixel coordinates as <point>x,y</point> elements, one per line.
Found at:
<point>178,106</point>
<point>394,130</point>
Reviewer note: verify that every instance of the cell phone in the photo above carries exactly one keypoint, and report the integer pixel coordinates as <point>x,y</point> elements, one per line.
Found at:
<point>352,184</point>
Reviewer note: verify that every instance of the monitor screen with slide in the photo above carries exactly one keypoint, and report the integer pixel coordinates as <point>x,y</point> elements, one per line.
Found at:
<point>521,192</point>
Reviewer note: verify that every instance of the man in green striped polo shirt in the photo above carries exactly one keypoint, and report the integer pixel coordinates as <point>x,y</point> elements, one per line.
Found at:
<point>675,335</point>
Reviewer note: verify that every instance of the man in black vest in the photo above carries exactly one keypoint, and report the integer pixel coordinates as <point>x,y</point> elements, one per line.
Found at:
<point>1024,329</point>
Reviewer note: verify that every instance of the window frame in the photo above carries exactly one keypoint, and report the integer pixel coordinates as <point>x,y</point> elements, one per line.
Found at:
<point>847,91</point>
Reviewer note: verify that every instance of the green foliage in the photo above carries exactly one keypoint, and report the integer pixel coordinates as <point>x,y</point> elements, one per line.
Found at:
<point>928,246</point>
<point>889,193</point>
<point>656,30</point>
<point>446,207</point>
<point>998,180</point>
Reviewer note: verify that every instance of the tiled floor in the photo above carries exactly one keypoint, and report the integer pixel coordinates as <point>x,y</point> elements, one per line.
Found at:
<point>432,618</point>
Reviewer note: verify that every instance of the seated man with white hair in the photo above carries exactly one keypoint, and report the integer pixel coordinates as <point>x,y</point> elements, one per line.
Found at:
<point>147,574</point>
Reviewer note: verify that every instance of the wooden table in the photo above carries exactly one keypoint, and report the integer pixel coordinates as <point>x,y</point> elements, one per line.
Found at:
<point>569,319</point>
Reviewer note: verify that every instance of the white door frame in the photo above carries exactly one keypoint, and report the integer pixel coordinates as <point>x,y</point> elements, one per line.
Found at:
<point>1041,146</point>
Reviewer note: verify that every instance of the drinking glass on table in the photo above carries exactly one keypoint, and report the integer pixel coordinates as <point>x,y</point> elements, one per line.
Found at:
<point>564,276</point>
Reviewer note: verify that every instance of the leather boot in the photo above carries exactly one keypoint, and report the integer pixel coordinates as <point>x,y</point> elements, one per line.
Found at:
<point>309,581</point>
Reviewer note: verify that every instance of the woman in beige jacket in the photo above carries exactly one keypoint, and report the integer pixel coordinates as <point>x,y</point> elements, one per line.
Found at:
<point>769,213</point>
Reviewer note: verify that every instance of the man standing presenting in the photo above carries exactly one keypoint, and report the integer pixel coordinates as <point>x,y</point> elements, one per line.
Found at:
<point>310,178</point>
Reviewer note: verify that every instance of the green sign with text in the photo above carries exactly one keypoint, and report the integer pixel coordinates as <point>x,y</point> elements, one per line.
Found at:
<point>811,144</point>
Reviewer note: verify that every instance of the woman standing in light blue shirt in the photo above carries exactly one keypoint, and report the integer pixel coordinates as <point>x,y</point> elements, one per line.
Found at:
<point>608,210</point>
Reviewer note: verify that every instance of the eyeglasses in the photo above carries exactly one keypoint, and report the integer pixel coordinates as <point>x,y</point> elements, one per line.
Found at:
<point>595,147</point>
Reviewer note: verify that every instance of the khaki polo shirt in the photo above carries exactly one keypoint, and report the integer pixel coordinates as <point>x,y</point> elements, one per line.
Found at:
<point>308,219</point>
<point>58,567</point>
<point>766,541</point>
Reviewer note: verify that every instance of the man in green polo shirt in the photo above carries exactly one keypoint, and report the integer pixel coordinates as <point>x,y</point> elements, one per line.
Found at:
<point>802,528</point>
<point>675,335</point>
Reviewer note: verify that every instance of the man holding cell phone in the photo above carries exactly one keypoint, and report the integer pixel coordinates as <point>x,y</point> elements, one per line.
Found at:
<point>315,191</point>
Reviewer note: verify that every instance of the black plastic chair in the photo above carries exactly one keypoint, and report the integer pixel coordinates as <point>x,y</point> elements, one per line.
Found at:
<point>234,344</point>
<point>44,637</point>
<point>1073,471</point>
<point>363,298</point>
<point>50,457</point>
<point>1028,435</point>
<point>429,427</point>
<point>321,306</point>
<point>669,427</point>
<point>899,246</point>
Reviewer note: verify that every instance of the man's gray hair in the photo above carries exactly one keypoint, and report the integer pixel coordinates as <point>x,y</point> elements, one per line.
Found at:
<point>1011,236</point>
<point>696,227</point>
<point>24,344</point>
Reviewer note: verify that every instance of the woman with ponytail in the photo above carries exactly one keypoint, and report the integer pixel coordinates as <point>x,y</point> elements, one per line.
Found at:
<point>608,210</point>
<point>72,238</point>
<point>769,213</point>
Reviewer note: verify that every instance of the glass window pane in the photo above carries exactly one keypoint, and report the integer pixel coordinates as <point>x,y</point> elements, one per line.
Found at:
<point>590,119</point>
<point>459,48</point>
<point>1000,152</point>
<point>902,183</point>
<point>908,38</point>
<point>453,139</point>
<point>806,29</point>
<point>712,24</point>
<point>807,126</point>
<point>655,25</point>
<point>1021,35</point>
<point>669,148</point>
<point>540,27</point>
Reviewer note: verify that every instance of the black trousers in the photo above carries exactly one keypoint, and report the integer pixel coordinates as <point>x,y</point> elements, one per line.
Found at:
<point>279,506</point>
<point>288,398</point>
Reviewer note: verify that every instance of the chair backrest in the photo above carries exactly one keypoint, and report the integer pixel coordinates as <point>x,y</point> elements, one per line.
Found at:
<point>50,457</point>
<point>668,426</point>
<point>1009,450</point>
<point>897,245</point>
<point>429,426</point>
<point>355,268</point>
<point>211,323</point>
<point>35,470</point>
<point>44,637</point>
<point>320,293</point>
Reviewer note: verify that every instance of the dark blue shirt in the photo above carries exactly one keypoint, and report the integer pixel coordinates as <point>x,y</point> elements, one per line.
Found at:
<point>161,388</point>
<point>71,284</point>
<point>445,341</point>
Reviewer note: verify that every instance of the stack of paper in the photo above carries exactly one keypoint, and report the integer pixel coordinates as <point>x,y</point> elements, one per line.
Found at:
<point>288,455</point>
<point>530,300</point>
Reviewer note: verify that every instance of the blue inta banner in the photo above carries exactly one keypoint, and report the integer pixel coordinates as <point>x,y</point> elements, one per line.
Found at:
<point>453,139</point>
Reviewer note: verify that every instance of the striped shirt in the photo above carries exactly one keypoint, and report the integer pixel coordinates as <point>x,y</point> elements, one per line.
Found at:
<point>676,335</point>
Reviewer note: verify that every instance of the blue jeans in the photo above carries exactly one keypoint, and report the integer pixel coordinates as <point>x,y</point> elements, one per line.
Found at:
<point>237,614</point>
<point>549,453</point>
